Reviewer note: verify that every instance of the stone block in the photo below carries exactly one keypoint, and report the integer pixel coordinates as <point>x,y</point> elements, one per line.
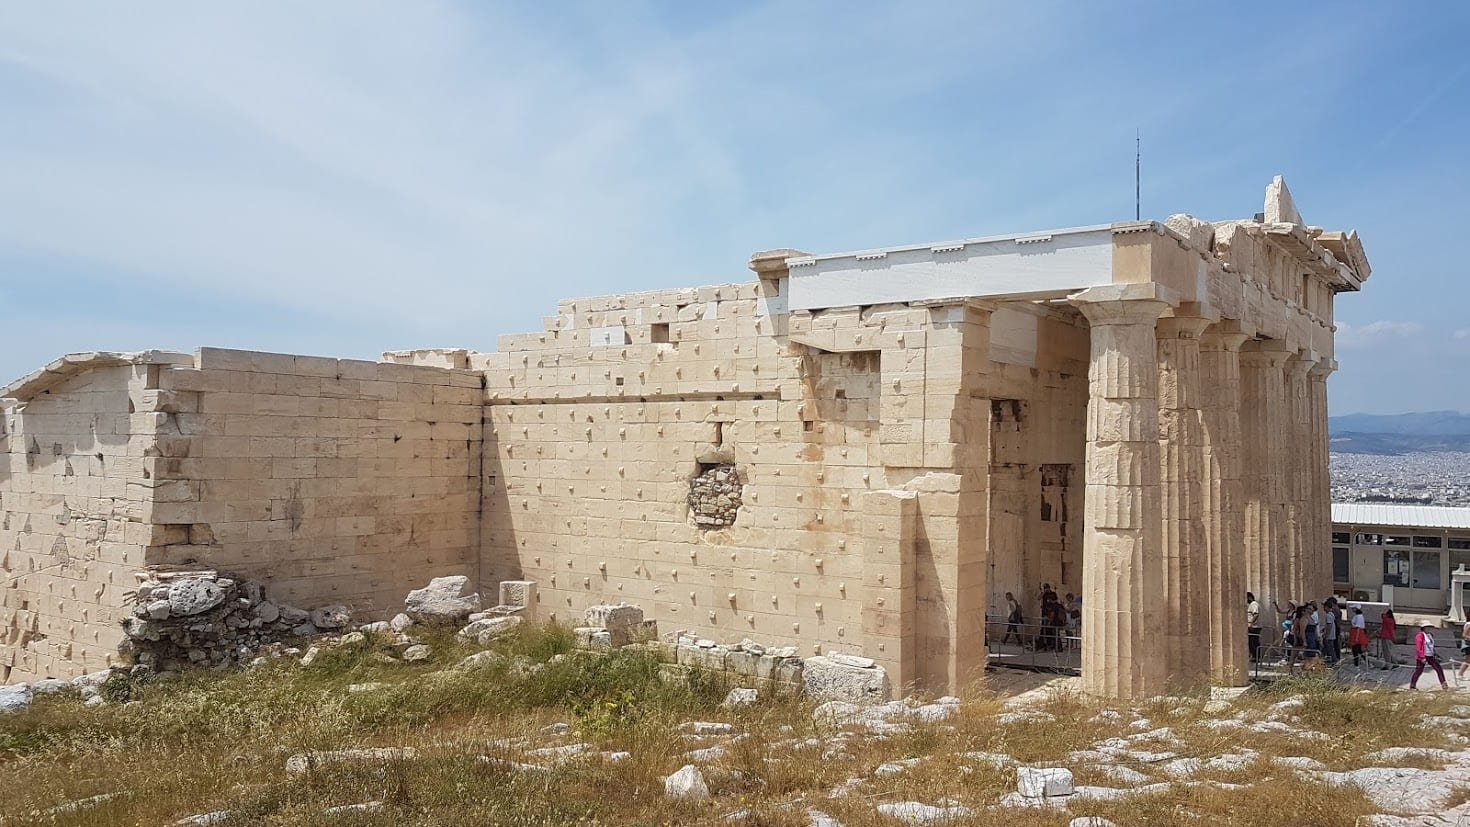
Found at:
<point>742,664</point>
<point>789,671</point>
<point>442,601</point>
<point>518,593</point>
<point>623,621</point>
<point>590,637</point>
<point>827,680</point>
<point>1043,782</point>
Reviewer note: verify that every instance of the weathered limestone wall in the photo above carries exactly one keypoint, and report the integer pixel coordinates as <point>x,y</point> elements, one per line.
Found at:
<point>865,441</point>
<point>597,427</point>
<point>73,502</point>
<point>330,480</point>
<point>333,481</point>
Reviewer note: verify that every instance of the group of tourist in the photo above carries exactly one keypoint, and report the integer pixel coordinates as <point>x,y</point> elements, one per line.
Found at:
<point>1311,632</point>
<point>1059,620</point>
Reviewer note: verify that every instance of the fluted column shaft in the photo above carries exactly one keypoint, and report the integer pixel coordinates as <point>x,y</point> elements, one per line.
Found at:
<point>1186,572</point>
<point>1121,573</point>
<point>1262,425</point>
<point>1297,454</point>
<point>1221,490</point>
<point>1320,485</point>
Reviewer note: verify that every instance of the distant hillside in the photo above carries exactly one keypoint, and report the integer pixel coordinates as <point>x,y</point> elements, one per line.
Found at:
<point>1390,444</point>
<point>1428,423</point>
<point>1429,431</point>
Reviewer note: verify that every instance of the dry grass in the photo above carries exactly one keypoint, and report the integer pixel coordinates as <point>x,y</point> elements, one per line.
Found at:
<point>219,741</point>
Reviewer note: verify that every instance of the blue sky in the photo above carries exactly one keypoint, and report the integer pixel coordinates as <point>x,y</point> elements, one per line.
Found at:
<point>343,179</point>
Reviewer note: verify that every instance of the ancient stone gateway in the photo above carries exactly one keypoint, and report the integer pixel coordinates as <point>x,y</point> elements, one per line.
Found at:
<point>858,452</point>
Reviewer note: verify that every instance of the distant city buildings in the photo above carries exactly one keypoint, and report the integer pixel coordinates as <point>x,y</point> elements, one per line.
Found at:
<point>1420,478</point>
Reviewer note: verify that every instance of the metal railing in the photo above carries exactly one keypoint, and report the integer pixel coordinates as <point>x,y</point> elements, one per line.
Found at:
<point>1034,646</point>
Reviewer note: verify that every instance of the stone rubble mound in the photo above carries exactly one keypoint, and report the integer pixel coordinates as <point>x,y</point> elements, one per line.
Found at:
<point>203,618</point>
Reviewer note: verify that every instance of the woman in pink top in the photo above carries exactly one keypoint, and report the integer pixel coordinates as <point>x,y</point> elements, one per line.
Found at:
<point>1424,654</point>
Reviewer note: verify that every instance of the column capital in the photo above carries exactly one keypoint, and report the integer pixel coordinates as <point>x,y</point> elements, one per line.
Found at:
<point>1116,304</point>
<point>1181,327</point>
<point>1299,363</point>
<point>1265,353</point>
<point>1224,336</point>
<point>1322,369</point>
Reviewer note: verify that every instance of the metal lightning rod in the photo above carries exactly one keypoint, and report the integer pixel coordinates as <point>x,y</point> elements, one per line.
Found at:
<point>1137,170</point>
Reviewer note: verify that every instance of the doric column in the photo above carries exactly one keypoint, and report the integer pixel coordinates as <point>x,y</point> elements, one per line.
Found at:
<point>1301,560</point>
<point>1320,484</point>
<point>1262,424</point>
<point>1185,565</point>
<point>1122,578</point>
<point>1224,546</point>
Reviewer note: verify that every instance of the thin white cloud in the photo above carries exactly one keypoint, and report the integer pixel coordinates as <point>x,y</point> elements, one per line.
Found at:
<point>1372,333</point>
<point>426,160</point>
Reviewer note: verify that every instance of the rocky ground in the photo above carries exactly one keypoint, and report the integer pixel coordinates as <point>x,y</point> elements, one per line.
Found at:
<point>402,727</point>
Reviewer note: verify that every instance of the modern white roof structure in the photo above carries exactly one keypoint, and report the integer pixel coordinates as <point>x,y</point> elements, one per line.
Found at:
<point>1049,263</point>
<point>1393,514</point>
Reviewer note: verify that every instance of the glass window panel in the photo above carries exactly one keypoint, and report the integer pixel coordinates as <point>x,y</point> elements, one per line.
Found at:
<point>1398,540</point>
<point>1395,568</point>
<point>1370,539</point>
<point>1424,541</point>
<point>1460,558</point>
<point>1343,537</point>
<point>1460,542</point>
<point>1426,570</point>
<point>1339,564</point>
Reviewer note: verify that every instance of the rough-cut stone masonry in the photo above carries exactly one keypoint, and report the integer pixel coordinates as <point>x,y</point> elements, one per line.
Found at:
<point>332,481</point>
<point>857,453</point>
<point>200,618</point>
<point>714,497</point>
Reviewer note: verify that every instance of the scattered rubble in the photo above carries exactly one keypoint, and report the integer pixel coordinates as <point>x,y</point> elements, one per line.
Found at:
<point>914,812</point>
<point>203,618</point>
<point>741,696</point>
<point>15,698</point>
<point>304,762</point>
<point>687,783</point>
